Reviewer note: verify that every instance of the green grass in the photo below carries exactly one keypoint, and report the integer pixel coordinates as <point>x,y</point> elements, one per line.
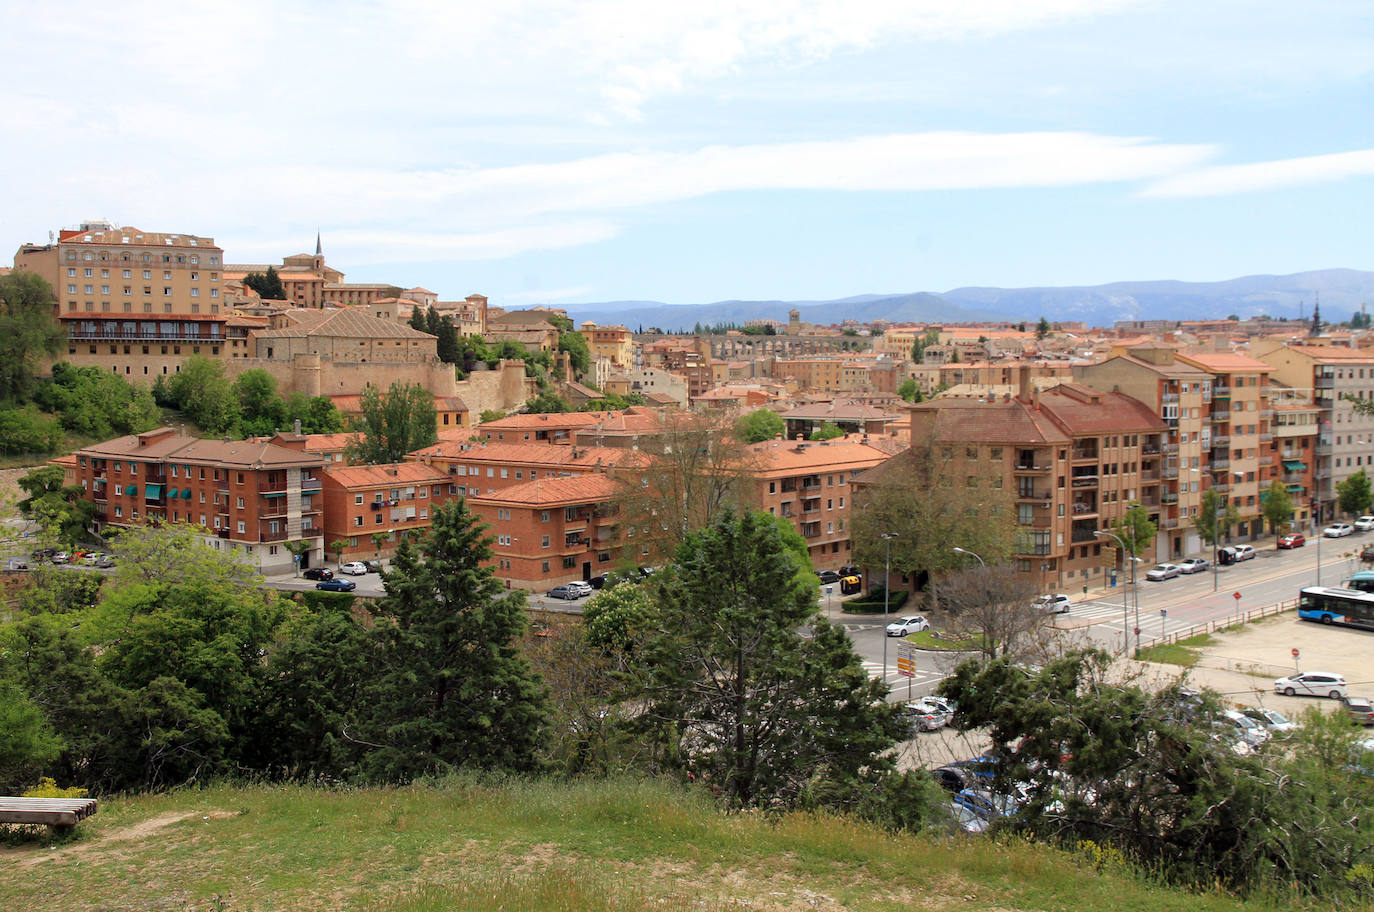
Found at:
<point>927,639</point>
<point>541,845</point>
<point>1184,652</point>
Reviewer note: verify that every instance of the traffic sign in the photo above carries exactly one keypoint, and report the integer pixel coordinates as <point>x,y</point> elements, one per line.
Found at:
<point>1235,595</point>
<point>1295,652</point>
<point>906,661</point>
<point>1164,612</point>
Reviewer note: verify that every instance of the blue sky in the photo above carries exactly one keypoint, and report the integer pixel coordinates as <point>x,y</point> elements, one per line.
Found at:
<point>562,152</point>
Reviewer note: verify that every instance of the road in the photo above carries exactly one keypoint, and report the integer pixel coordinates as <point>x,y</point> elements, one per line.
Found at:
<point>1165,607</point>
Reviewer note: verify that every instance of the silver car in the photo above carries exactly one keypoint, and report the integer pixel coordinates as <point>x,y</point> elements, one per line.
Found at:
<point>1163,572</point>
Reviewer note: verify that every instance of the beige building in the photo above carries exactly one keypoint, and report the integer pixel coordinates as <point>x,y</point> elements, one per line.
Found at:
<point>613,343</point>
<point>132,301</point>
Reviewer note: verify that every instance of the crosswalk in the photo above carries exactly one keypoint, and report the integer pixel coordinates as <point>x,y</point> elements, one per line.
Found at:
<point>1093,613</point>
<point>894,680</point>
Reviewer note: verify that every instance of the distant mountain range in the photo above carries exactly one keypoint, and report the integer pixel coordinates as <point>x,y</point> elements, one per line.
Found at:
<point>1339,291</point>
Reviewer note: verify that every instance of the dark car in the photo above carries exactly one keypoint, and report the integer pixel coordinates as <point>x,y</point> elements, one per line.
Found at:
<point>373,566</point>
<point>828,577</point>
<point>336,585</point>
<point>1292,540</point>
<point>318,573</point>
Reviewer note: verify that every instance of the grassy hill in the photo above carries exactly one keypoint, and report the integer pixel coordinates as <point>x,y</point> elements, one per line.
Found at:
<point>617,845</point>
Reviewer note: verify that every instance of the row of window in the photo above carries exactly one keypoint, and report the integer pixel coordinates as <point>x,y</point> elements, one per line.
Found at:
<point>129,274</point>
<point>89,256</point>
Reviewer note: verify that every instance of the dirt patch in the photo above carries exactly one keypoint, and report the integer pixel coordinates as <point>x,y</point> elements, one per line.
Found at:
<point>30,856</point>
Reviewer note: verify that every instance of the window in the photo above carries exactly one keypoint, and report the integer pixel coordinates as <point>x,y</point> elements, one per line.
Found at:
<point>544,543</point>
<point>357,520</point>
<point>242,527</point>
<point>543,515</point>
<point>358,500</point>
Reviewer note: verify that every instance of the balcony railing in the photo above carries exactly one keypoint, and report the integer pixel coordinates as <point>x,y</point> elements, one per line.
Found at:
<point>1222,488</point>
<point>1168,522</point>
<point>1085,481</point>
<point>1167,398</point>
<point>1221,414</point>
<point>1220,389</point>
<point>272,536</point>
<point>1266,413</point>
<point>1085,453</point>
<point>1168,497</point>
<point>77,335</point>
<point>1169,472</point>
<point>1325,383</point>
<point>1170,448</point>
<point>1032,495</point>
<point>1293,477</point>
<point>1221,462</point>
<point>1266,437</point>
<point>1221,440</point>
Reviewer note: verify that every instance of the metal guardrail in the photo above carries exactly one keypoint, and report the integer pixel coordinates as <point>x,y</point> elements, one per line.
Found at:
<point>1221,623</point>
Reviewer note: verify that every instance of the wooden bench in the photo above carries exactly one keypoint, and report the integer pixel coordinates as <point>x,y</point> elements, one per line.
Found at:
<point>55,812</point>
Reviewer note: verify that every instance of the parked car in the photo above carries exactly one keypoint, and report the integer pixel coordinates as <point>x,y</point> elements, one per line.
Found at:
<point>318,573</point>
<point>1244,552</point>
<point>354,568</point>
<point>1338,530</point>
<point>966,819</point>
<point>336,585</point>
<point>928,714</point>
<point>987,804</point>
<point>962,774</point>
<point>1163,572</point>
<point>1251,731</point>
<point>104,562</point>
<point>828,577</point>
<point>1312,684</point>
<point>1364,524</point>
<point>568,592</point>
<point>61,557</point>
<point>1292,540</point>
<point>373,566</point>
<point>1055,604</point>
<point>902,626</point>
<point>1360,709</point>
<point>1271,719</point>
<point>1367,554</point>
<point>1194,565</point>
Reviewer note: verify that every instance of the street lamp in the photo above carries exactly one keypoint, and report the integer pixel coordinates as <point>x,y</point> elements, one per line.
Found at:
<point>972,555</point>
<point>887,538</point>
<point>1125,598</point>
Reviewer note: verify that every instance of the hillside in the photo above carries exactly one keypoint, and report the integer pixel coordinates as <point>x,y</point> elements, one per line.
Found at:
<point>596,845</point>
<point>1340,291</point>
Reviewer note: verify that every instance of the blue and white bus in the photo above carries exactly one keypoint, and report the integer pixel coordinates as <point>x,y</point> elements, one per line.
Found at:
<point>1363,581</point>
<point>1349,607</point>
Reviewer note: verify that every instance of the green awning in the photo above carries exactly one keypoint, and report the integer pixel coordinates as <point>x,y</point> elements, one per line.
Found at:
<point>154,490</point>
<point>131,490</point>
<point>1293,465</point>
<point>185,493</point>
<point>1296,489</point>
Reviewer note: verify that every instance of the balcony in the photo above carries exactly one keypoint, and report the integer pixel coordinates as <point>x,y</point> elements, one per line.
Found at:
<point>1220,462</point>
<point>1221,440</point>
<point>1168,497</point>
<point>272,536</point>
<point>1325,383</point>
<point>1168,398</point>
<point>1169,472</point>
<point>1170,448</point>
<point>1150,449</point>
<point>1266,437</point>
<point>1222,488</point>
<point>1085,481</point>
<point>1032,494</point>
<point>1149,475</point>
<point>1085,453</point>
<point>1084,508</point>
<point>1293,477</point>
<point>1221,390</point>
<point>1266,413</point>
<point>271,506</point>
<point>1323,447</point>
<point>1221,415</point>
<point>1083,532</point>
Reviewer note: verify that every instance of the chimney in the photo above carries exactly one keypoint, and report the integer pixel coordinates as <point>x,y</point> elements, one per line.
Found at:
<point>1024,386</point>
<point>296,427</point>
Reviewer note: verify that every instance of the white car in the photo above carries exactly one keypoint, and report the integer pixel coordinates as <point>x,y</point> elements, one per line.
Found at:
<point>1364,524</point>
<point>1312,684</point>
<point>1273,720</point>
<point>1244,552</point>
<point>354,568</point>
<point>1163,572</point>
<point>1193,564</point>
<point>902,626</point>
<point>1054,604</point>
<point>1338,530</point>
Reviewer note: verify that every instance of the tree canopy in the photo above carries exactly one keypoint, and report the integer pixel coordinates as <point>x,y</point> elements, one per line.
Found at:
<point>29,333</point>
<point>267,284</point>
<point>759,425</point>
<point>394,423</point>
<point>1354,495</point>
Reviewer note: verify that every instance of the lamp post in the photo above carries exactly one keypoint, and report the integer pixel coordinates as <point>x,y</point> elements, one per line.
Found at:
<point>1125,596</point>
<point>972,555</point>
<point>1317,534</point>
<point>887,538</point>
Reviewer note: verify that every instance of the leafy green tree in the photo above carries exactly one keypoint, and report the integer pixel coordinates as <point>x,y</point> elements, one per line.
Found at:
<point>1354,495</point>
<point>1136,529</point>
<point>452,689</point>
<point>97,403</point>
<point>576,346</point>
<point>297,548</point>
<point>1215,518</point>
<point>202,391</point>
<point>447,348</point>
<point>617,617</point>
<point>29,332</point>
<point>62,511</point>
<point>163,554</point>
<point>931,337</point>
<point>268,285</point>
<point>432,321</point>
<point>490,415</point>
<point>394,423</point>
<point>759,425</point>
<point>26,430</point>
<point>27,742</point>
<point>910,391</point>
<point>827,431</point>
<point>417,319</point>
<point>1278,506</point>
<point>317,414</point>
<point>1042,329</point>
<point>739,697</point>
<point>262,411</point>
<point>379,540</point>
<point>546,404</point>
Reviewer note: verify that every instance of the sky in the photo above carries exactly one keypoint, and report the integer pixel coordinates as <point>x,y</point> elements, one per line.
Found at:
<point>600,150</point>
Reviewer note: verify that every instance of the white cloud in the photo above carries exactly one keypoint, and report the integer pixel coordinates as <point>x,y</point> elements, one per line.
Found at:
<point>1221,180</point>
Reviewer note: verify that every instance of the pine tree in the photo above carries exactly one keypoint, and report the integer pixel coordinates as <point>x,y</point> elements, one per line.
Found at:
<point>452,690</point>
<point>417,320</point>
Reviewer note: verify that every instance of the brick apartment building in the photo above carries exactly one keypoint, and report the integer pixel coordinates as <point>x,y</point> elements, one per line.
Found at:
<point>249,495</point>
<point>387,501</point>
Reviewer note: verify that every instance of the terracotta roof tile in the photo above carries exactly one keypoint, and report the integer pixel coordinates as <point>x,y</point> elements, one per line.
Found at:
<point>371,476</point>
<point>556,491</point>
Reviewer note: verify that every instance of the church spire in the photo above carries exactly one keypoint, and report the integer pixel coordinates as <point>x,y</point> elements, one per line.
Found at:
<point>319,250</point>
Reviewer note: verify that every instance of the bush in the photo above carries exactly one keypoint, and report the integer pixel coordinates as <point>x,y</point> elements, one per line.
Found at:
<point>28,431</point>
<point>873,601</point>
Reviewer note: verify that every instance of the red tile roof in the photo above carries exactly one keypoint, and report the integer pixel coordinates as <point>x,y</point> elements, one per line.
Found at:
<point>555,492</point>
<point>372,476</point>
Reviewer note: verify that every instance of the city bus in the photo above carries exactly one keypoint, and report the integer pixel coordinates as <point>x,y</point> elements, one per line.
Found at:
<point>1337,606</point>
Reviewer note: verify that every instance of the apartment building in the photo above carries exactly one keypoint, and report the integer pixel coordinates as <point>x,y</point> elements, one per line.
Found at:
<point>615,344</point>
<point>552,530</point>
<point>809,483</point>
<point>1075,457</point>
<point>1241,435</point>
<point>1181,394</point>
<point>485,468</point>
<point>371,507</point>
<point>1296,428</point>
<point>1345,441</point>
<point>132,301</point>
<point>248,495</point>
<point>817,374</point>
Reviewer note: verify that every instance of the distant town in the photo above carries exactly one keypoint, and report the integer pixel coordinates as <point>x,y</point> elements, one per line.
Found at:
<point>547,429</point>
